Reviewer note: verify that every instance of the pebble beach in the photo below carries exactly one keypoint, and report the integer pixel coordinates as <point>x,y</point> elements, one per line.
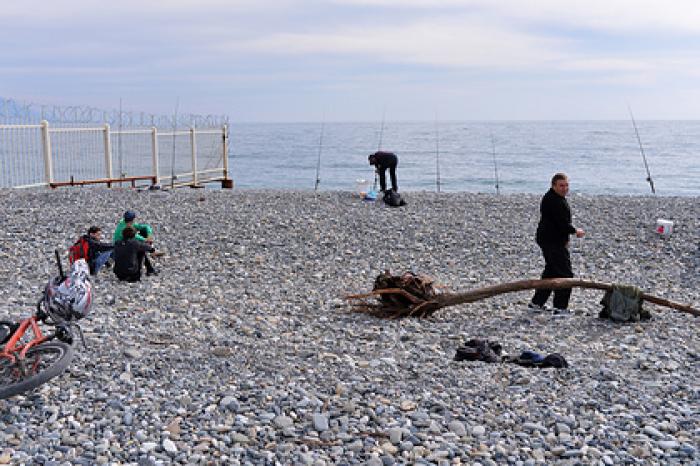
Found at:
<point>242,350</point>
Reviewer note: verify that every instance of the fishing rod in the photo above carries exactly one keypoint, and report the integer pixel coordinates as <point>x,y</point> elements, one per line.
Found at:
<point>437,155</point>
<point>318,162</point>
<point>379,147</point>
<point>381,131</point>
<point>119,142</point>
<point>172,165</point>
<point>495,164</point>
<point>641,149</point>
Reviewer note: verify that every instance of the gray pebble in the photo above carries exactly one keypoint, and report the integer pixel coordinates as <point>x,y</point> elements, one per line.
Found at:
<point>320,422</point>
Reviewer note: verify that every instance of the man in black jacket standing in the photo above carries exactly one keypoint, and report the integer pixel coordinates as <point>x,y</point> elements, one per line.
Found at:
<point>553,238</point>
<point>383,160</point>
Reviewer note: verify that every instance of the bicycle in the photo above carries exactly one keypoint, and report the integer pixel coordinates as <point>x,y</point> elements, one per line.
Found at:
<point>30,358</point>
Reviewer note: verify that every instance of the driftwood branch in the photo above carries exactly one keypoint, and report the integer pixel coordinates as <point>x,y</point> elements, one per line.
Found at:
<point>425,306</point>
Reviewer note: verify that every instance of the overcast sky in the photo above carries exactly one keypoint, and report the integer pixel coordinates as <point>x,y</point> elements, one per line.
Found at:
<point>352,60</point>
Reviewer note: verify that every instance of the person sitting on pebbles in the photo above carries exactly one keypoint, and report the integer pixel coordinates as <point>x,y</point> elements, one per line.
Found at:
<point>144,233</point>
<point>129,255</point>
<point>99,253</point>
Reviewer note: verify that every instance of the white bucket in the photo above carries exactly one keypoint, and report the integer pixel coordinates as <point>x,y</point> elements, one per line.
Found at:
<point>664,227</point>
<point>362,187</point>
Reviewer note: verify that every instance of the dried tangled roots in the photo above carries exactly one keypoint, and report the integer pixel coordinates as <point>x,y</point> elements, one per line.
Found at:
<point>406,295</point>
<point>419,287</point>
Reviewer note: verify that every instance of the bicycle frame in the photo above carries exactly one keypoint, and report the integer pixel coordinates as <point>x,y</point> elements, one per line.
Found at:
<point>29,357</point>
<point>11,348</point>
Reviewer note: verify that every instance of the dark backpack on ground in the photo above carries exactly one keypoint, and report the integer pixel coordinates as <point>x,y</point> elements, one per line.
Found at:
<point>623,304</point>
<point>393,199</point>
<point>79,250</point>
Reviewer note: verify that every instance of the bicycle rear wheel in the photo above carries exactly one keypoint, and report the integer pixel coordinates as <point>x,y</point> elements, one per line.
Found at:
<point>42,362</point>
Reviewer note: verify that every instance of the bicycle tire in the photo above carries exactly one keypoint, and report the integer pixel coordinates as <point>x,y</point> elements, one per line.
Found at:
<point>64,355</point>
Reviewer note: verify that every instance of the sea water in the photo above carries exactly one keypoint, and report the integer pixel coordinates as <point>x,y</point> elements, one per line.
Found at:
<point>600,157</point>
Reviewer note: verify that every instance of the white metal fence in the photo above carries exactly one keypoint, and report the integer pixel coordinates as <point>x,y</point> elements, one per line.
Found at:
<point>42,155</point>
<point>84,144</point>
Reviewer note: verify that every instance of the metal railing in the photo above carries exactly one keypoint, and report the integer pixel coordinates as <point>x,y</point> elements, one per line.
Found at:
<point>33,155</point>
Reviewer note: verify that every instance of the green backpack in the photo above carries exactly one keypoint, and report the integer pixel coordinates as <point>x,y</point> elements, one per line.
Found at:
<point>623,304</point>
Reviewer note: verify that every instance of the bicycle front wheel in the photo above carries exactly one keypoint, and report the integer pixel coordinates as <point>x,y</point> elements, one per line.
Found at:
<point>42,362</point>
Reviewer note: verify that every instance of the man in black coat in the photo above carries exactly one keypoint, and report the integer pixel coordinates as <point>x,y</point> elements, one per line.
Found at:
<point>383,160</point>
<point>553,238</point>
<point>129,254</point>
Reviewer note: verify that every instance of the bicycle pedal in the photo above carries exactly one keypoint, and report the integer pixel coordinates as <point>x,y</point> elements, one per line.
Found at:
<point>64,334</point>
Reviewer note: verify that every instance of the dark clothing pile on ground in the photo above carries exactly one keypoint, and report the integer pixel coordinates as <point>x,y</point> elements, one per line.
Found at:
<point>479,350</point>
<point>129,257</point>
<point>552,237</point>
<point>533,359</point>
<point>490,351</point>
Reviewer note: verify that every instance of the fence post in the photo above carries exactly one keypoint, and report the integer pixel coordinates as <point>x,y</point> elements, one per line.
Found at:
<point>226,183</point>
<point>193,141</point>
<point>48,163</point>
<point>154,154</point>
<point>108,153</point>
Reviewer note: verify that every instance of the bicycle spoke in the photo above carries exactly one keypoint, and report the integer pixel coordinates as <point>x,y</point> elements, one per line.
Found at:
<point>32,364</point>
<point>39,363</point>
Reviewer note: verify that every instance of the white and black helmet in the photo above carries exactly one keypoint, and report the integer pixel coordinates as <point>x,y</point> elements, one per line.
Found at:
<point>71,298</point>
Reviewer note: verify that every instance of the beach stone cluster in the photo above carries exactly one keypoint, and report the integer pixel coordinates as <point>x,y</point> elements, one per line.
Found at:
<point>242,350</point>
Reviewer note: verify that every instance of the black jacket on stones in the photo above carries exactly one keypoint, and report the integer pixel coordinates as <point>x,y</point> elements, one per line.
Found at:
<point>555,220</point>
<point>128,257</point>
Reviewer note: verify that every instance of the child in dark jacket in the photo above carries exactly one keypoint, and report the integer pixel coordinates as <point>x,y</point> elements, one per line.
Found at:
<point>98,252</point>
